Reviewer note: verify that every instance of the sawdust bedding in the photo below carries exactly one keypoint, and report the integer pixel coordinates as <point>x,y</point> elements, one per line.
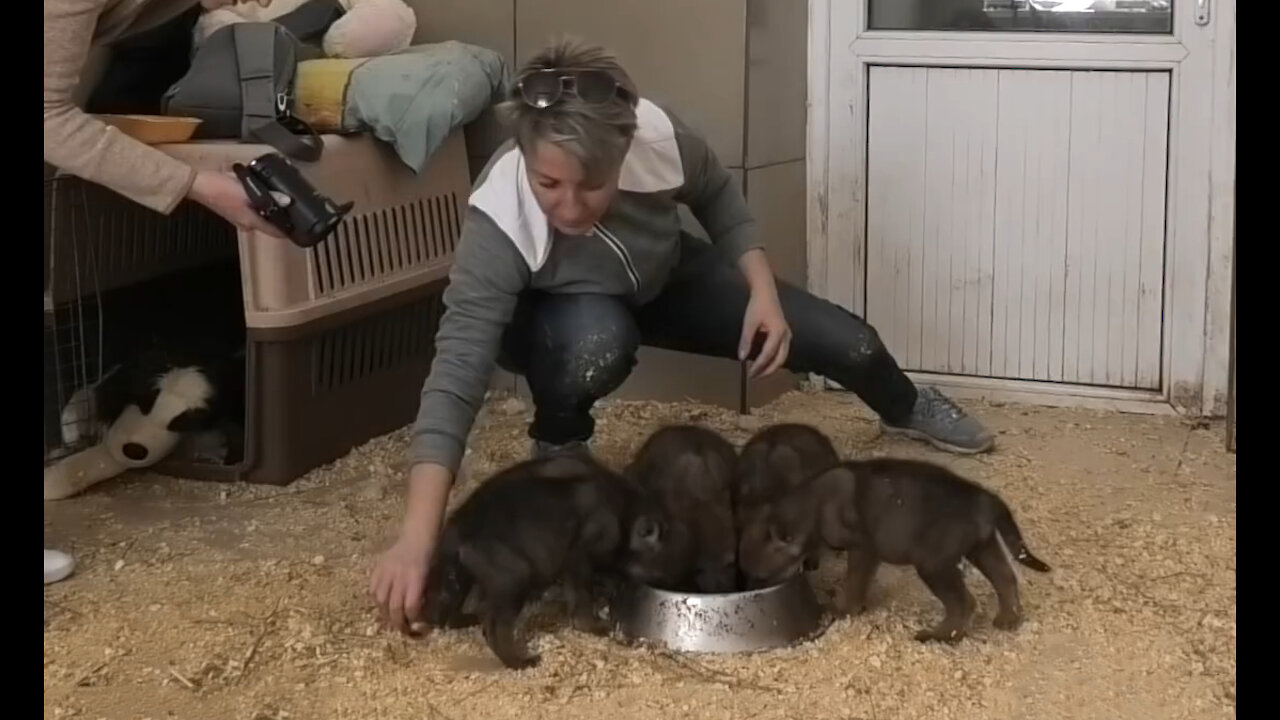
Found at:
<point>196,600</point>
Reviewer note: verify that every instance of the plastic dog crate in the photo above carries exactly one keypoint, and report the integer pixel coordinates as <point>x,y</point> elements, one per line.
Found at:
<point>339,337</point>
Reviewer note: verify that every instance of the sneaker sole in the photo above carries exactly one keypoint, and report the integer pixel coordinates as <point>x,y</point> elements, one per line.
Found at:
<point>941,445</point>
<point>59,572</point>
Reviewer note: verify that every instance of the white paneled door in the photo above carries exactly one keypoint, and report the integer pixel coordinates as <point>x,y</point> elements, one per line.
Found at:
<point>1015,221</point>
<point>1021,190</point>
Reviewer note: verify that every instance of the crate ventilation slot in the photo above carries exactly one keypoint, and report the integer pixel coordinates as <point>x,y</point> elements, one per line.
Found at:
<point>383,242</point>
<point>376,344</point>
<point>96,240</point>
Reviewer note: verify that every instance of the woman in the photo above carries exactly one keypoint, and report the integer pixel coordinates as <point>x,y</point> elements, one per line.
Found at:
<point>572,256</point>
<point>77,143</point>
<point>80,144</point>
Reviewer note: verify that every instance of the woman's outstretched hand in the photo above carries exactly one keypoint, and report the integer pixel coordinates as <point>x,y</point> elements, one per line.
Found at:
<point>399,581</point>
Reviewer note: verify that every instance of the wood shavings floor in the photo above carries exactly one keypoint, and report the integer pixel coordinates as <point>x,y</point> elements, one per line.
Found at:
<point>194,600</point>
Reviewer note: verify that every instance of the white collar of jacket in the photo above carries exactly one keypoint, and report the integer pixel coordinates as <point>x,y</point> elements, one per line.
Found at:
<point>652,165</point>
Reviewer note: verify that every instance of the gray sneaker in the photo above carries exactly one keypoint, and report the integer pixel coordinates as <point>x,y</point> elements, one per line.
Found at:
<point>543,449</point>
<point>941,423</point>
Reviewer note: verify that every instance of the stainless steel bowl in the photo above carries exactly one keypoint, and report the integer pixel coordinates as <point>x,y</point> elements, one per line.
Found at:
<point>771,617</point>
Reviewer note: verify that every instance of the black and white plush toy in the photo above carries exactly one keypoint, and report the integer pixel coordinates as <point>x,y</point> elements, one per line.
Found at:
<point>143,410</point>
<point>177,343</point>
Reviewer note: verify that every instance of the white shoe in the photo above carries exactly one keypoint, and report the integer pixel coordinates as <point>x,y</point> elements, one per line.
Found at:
<point>57,566</point>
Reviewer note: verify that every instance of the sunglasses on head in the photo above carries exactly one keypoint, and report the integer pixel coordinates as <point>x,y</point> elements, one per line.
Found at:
<point>544,88</point>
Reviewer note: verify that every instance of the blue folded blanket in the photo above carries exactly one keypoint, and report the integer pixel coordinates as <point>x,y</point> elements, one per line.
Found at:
<point>416,98</point>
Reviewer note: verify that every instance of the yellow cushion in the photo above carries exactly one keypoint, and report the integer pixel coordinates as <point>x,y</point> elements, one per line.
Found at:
<point>322,91</point>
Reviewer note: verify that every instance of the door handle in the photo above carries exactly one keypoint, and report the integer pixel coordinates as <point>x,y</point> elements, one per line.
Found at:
<point>1202,12</point>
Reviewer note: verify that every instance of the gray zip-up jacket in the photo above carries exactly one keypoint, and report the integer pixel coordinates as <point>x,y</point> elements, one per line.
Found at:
<point>507,245</point>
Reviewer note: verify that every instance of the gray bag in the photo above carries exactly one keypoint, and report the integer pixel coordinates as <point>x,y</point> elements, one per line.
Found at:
<point>241,84</point>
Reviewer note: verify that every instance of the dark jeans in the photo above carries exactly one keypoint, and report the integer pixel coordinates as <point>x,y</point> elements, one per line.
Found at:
<point>574,349</point>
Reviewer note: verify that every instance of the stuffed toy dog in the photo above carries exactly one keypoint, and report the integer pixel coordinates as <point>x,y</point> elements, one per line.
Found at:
<point>366,28</point>
<point>142,413</point>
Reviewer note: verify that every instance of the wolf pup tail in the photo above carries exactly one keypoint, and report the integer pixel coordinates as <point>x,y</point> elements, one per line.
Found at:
<point>1013,539</point>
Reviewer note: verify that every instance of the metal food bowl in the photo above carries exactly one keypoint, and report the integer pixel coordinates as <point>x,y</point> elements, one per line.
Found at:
<point>771,617</point>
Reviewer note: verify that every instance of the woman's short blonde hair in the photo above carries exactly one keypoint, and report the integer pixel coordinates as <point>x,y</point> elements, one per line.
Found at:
<point>598,135</point>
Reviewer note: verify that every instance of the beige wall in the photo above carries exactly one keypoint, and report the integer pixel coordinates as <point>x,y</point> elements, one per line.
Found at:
<point>734,69</point>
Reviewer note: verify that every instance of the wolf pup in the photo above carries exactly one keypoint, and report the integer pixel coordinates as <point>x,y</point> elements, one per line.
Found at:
<point>531,525</point>
<point>690,470</point>
<point>774,461</point>
<point>901,512</point>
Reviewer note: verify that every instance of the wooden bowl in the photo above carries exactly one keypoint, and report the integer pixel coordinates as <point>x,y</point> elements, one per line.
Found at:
<point>154,129</point>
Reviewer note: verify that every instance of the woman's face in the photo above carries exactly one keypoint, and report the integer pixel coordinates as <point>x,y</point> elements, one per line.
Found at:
<point>569,202</point>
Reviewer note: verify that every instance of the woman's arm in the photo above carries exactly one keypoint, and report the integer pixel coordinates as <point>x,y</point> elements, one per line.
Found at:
<point>487,276</point>
<point>718,204</point>
<point>82,145</point>
<point>754,266</point>
<point>714,199</point>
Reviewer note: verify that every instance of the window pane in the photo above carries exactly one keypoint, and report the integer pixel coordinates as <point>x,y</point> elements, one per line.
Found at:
<point>1120,16</point>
